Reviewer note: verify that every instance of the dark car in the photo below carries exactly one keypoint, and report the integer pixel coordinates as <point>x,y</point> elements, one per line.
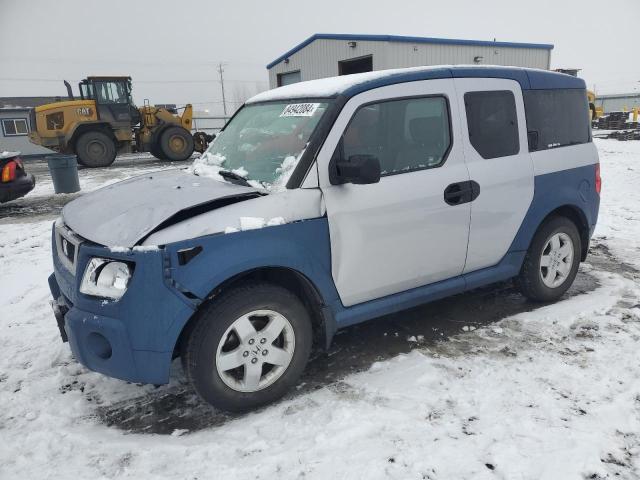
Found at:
<point>14,181</point>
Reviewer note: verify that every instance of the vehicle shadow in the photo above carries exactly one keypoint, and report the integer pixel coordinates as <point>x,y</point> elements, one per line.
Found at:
<point>177,407</point>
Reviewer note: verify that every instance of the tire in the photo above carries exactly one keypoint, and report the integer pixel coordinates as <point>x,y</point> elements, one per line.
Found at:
<point>95,149</point>
<point>201,141</point>
<point>175,144</point>
<point>214,347</point>
<point>155,151</point>
<point>553,240</point>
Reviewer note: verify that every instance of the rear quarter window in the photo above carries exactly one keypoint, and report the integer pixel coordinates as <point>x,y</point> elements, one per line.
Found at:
<point>556,118</point>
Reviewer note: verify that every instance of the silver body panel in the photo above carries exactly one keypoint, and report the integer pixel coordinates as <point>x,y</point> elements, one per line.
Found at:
<point>290,205</point>
<point>506,183</point>
<point>397,234</point>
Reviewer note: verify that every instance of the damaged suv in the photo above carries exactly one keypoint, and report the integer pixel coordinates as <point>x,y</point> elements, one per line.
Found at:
<point>321,205</point>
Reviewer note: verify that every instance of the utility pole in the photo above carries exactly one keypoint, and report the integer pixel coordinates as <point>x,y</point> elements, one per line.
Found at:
<point>221,71</point>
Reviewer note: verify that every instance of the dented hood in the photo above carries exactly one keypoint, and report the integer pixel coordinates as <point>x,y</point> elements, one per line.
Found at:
<point>122,214</point>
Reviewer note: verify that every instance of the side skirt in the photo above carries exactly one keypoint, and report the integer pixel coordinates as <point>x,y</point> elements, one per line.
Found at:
<point>508,267</point>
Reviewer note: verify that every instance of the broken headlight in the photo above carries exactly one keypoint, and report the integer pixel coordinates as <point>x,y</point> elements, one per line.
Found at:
<point>106,278</point>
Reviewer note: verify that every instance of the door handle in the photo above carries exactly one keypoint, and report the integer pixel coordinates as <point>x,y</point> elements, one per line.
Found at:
<point>461,192</point>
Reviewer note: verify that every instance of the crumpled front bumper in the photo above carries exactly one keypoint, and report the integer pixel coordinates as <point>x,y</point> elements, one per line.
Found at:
<point>131,339</point>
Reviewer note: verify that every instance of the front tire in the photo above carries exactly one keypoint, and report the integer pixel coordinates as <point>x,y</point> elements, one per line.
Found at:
<point>176,144</point>
<point>551,263</point>
<point>248,347</point>
<point>95,149</point>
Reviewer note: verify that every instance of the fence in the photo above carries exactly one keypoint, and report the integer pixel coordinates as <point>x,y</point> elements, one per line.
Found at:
<point>208,124</point>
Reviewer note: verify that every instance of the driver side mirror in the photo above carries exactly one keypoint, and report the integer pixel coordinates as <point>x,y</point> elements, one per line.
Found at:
<point>358,169</point>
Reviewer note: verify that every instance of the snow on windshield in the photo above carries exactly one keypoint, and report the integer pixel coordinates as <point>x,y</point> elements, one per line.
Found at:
<point>262,144</point>
<point>210,165</point>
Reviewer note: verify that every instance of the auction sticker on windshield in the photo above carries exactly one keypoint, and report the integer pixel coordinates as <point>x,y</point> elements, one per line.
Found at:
<point>300,110</point>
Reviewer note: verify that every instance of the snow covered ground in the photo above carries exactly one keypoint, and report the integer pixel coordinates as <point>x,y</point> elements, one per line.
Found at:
<point>553,393</point>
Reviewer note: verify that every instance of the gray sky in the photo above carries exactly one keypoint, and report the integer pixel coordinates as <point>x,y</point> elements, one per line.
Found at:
<point>171,48</point>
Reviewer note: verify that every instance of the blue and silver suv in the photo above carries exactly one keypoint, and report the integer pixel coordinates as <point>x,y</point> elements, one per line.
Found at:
<point>321,205</point>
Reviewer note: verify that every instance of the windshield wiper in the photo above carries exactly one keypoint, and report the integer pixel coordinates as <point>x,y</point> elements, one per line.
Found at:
<point>234,177</point>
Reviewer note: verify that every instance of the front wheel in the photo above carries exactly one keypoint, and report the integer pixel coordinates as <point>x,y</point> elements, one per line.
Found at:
<point>551,263</point>
<point>95,149</point>
<point>248,347</point>
<point>175,144</point>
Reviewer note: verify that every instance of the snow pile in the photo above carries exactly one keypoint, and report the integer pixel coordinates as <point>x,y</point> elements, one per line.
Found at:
<point>139,248</point>
<point>254,223</point>
<point>6,154</point>
<point>208,165</point>
<point>550,394</point>
<point>619,222</point>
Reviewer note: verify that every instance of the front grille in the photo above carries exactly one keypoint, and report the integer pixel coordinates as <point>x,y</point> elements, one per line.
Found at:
<point>67,244</point>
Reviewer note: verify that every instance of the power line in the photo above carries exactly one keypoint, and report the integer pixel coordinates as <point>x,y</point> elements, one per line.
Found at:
<point>232,80</point>
<point>94,60</point>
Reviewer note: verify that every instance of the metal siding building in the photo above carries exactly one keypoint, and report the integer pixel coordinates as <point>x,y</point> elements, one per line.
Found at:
<point>618,102</point>
<point>14,117</point>
<point>321,55</point>
<point>14,131</point>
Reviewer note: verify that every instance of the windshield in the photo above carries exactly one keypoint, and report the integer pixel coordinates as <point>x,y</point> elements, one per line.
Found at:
<point>262,143</point>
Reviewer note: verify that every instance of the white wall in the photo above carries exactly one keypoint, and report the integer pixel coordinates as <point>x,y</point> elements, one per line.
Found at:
<point>19,143</point>
<point>320,58</point>
<point>619,103</point>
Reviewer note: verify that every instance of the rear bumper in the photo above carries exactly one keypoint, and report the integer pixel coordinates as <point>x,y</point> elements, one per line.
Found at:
<point>16,189</point>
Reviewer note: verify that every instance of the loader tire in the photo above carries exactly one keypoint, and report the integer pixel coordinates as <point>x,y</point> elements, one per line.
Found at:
<point>176,144</point>
<point>95,149</point>
<point>155,151</point>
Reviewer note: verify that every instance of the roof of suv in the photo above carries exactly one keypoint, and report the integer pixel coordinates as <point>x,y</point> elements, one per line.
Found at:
<point>350,85</point>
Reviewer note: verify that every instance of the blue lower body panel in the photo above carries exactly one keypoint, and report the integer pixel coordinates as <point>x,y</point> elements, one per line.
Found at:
<point>102,344</point>
<point>133,338</point>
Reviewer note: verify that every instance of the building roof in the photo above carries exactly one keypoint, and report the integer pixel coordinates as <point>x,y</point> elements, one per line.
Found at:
<point>25,102</point>
<point>404,39</point>
<point>619,95</point>
<point>350,85</point>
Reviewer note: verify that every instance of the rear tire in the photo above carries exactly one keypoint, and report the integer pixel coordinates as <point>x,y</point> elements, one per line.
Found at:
<point>551,263</point>
<point>95,149</point>
<point>176,144</point>
<point>224,354</point>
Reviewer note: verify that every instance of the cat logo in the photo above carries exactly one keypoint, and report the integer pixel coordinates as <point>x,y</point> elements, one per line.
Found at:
<point>84,111</point>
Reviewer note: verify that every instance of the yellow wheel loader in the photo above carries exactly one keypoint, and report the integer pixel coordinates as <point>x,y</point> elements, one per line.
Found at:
<point>105,121</point>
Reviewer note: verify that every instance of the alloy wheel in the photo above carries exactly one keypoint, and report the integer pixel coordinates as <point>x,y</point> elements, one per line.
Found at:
<point>255,350</point>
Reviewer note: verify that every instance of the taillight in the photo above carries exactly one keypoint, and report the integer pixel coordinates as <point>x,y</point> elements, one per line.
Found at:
<point>598,179</point>
<point>9,172</point>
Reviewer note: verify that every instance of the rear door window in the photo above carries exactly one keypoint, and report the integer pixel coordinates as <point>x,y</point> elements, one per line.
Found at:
<point>493,123</point>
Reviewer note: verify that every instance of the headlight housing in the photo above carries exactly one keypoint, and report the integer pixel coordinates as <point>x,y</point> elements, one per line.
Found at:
<point>106,278</point>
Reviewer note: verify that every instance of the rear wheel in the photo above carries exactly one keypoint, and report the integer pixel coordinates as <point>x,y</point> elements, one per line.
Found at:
<point>248,347</point>
<point>95,149</point>
<point>175,144</point>
<point>551,263</point>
